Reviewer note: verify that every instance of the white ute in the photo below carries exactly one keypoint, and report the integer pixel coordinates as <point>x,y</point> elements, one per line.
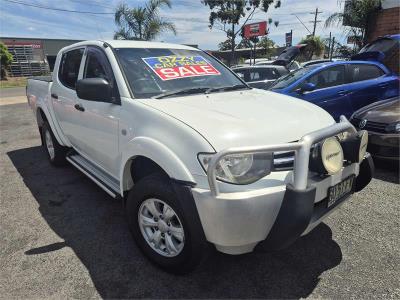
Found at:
<point>196,155</point>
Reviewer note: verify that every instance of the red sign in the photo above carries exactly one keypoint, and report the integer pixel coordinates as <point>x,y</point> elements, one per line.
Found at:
<point>255,29</point>
<point>174,67</point>
<point>33,44</point>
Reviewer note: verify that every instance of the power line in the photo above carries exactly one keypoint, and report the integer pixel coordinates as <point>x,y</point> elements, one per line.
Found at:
<point>58,9</point>
<point>302,23</point>
<point>91,3</point>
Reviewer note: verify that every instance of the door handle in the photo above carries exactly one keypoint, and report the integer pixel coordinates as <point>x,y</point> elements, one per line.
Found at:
<point>383,85</point>
<point>55,96</point>
<point>79,107</point>
<point>343,93</point>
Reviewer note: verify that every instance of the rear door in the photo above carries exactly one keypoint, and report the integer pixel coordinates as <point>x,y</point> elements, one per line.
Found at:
<point>367,84</point>
<point>331,92</point>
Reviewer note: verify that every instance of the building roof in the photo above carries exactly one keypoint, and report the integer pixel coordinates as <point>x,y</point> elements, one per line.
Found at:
<point>34,38</point>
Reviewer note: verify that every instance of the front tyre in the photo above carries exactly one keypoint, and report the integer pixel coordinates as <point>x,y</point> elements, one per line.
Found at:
<point>163,229</point>
<point>55,152</point>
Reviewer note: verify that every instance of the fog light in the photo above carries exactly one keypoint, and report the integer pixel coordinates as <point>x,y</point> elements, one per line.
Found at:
<point>332,155</point>
<point>355,147</point>
<point>327,157</point>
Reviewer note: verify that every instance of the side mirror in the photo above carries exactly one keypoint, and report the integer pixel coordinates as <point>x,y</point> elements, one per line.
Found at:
<point>307,87</point>
<point>94,89</point>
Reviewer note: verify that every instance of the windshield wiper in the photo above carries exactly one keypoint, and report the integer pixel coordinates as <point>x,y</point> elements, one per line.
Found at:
<point>227,88</point>
<point>182,92</point>
<point>199,90</point>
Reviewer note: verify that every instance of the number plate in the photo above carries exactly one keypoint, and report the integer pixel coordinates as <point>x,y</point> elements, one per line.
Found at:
<point>340,190</point>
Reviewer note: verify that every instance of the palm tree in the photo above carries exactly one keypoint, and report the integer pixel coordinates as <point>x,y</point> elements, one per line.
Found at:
<point>142,23</point>
<point>356,15</point>
<point>315,45</point>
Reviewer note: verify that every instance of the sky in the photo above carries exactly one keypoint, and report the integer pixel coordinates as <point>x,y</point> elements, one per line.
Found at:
<point>189,16</point>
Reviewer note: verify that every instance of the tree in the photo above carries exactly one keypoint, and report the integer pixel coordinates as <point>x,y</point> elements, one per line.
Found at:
<point>315,45</point>
<point>5,60</point>
<point>226,15</point>
<point>142,23</point>
<point>356,16</point>
<point>267,44</point>
<point>225,45</point>
<point>244,43</point>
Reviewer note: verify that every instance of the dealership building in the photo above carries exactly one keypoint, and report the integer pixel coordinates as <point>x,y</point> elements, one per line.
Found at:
<point>33,56</point>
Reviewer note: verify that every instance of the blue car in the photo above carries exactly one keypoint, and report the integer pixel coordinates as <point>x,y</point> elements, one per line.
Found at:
<point>342,87</point>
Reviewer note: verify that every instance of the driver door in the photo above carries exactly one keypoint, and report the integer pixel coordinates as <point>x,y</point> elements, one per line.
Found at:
<point>331,91</point>
<point>99,124</point>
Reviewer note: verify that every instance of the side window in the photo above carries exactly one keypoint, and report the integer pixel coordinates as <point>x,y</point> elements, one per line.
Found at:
<point>255,75</point>
<point>360,72</point>
<point>69,67</point>
<point>328,77</point>
<point>245,74</point>
<point>274,74</point>
<point>97,65</point>
<point>241,74</point>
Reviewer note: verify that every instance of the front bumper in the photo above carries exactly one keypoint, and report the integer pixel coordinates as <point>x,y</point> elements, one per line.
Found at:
<point>276,213</point>
<point>384,146</point>
<point>273,217</point>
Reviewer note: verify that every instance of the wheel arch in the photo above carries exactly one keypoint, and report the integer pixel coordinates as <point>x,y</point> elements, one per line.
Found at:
<point>42,115</point>
<point>148,153</point>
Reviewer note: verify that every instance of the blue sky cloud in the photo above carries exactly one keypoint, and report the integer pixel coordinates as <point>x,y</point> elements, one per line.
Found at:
<point>189,16</point>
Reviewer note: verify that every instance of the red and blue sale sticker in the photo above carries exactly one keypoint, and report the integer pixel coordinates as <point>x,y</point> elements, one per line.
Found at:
<point>174,67</point>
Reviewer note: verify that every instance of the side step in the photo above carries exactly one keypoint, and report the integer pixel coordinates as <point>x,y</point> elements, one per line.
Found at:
<point>101,178</point>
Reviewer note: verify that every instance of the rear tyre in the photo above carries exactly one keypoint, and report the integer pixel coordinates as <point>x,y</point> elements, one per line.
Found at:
<point>162,229</point>
<point>55,152</point>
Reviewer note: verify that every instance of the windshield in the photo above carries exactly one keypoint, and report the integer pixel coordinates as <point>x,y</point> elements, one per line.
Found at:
<point>384,45</point>
<point>290,78</point>
<point>152,72</point>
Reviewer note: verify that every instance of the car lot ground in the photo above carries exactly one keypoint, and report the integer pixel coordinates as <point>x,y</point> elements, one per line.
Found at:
<point>62,236</point>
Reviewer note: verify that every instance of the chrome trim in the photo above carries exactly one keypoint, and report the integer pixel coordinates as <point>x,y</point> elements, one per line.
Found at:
<point>301,149</point>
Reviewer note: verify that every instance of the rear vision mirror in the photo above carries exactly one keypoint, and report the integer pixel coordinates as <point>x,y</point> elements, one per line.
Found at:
<point>307,87</point>
<point>94,89</point>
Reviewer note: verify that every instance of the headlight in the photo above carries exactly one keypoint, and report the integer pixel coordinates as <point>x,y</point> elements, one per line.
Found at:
<point>327,157</point>
<point>240,168</point>
<point>393,128</point>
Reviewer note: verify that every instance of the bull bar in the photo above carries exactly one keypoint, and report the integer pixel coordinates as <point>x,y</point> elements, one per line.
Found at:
<point>301,148</point>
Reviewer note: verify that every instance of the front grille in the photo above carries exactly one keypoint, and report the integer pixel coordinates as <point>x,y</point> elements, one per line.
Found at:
<point>369,125</point>
<point>283,160</point>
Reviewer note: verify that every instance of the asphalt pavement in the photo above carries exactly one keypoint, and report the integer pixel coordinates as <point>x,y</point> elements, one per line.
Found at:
<point>62,236</point>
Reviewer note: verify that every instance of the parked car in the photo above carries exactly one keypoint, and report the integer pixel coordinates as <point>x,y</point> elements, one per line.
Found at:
<point>294,65</point>
<point>265,72</point>
<point>250,61</point>
<point>318,61</point>
<point>382,120</point>
<point>385,49</point>
<point>196,156</point>
<point>260,77</point>
<point>340,87</point>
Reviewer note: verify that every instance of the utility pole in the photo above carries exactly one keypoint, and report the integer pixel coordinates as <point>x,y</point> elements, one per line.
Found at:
<point>333,45</point>
<point>315,19</point>
<point>329,47</point>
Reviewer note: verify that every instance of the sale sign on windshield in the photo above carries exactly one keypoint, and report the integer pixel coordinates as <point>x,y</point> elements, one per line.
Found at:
<point>174,67</point>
